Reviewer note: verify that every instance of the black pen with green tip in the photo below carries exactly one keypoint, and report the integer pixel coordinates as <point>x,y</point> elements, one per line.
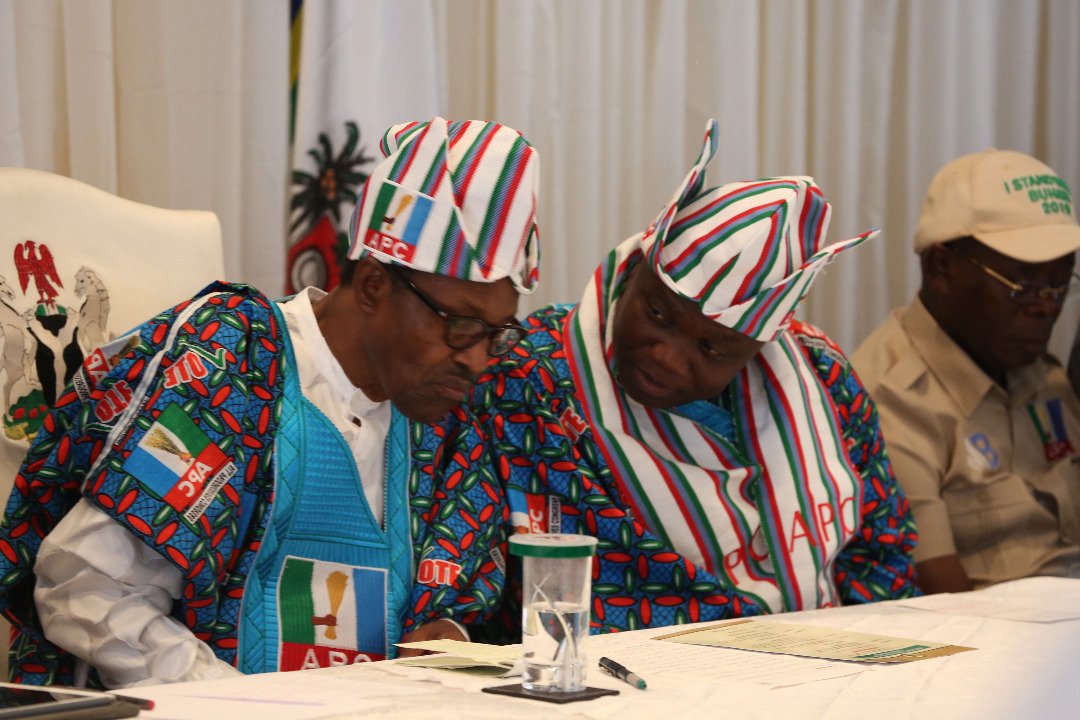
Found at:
<point>618,671</point>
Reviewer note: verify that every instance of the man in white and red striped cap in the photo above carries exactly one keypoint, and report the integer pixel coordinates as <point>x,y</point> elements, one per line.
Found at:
<point>724,453</point>
<point>252,495</point>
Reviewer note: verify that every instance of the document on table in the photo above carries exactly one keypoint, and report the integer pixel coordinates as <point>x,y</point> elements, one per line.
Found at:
<point>495,660</point>
<point>301,695</point>
<point>812,641</point>
<point>665,665</point>
<point>1047,609</point>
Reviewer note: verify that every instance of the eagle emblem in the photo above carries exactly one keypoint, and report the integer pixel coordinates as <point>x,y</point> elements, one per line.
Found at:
<point>41,268</point>
<point>44,335</point>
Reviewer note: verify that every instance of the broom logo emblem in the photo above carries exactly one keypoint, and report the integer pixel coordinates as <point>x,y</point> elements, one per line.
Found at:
<point>336,582</point>
<point>388,222</point>
<point>158,440</point>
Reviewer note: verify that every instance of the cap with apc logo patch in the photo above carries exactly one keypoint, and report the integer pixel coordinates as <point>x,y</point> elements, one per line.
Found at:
<point>1006,200</point>
<point>455,199</point>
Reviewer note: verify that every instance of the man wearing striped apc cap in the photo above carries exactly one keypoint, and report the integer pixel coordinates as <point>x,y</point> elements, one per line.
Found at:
<point>252,494</point>
<point>725,454</point>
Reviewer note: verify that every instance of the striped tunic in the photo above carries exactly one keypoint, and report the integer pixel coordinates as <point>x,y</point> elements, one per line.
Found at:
<point>557,478</point>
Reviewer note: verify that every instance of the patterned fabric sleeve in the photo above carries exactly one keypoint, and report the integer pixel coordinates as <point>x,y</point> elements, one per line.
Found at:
<point>877,564</point>
<point>458,513</point>
<point>46,487</point>
<point>213,393</point>
<point>558,484</point>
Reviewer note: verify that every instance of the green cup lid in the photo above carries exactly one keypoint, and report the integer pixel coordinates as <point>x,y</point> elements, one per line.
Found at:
<point>552,545</point>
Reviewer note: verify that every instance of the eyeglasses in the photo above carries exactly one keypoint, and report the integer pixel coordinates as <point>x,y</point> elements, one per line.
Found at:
<point>1026,293</point>
<point>464,331</point>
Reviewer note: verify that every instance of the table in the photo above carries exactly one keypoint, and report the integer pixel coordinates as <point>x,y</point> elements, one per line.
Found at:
<point>1019,670</point>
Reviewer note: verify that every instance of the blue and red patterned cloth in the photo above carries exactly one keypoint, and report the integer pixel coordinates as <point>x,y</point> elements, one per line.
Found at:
<point>218,358</point>
<point>558,480</point>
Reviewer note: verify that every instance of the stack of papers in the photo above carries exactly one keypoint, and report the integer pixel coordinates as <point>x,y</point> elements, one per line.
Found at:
<point>490,660</point>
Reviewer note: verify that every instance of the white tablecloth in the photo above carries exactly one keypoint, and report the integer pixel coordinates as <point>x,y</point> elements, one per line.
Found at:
<point>1019,670</point>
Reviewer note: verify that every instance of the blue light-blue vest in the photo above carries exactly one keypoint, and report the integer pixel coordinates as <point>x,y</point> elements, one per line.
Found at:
<point>328,585</point>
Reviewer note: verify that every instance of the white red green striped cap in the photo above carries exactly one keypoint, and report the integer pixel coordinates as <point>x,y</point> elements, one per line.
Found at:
<point>746,252</point>
<point>453,198</point>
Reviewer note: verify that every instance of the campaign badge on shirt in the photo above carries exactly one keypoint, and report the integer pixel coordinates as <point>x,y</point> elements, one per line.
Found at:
<point>176,460</point>
<point>99,362</point>
<point>981,454</point>
<point>318,617</point>
<point>1050,425</point>
<point>533,512</point>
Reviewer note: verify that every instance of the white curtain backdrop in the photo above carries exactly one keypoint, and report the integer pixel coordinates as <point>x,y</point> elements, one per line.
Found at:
<point>185,105</point>
<point>180,105</point>
<point>335,89</point>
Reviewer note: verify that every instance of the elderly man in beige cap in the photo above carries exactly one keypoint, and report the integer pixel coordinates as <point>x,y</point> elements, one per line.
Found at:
<point>982,426</point>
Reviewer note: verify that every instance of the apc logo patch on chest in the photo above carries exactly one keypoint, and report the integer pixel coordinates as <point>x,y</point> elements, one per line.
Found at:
<point>330,614</point>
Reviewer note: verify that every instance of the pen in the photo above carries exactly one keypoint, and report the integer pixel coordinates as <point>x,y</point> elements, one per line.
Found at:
<point>138,702</point>
<point>618,671</point>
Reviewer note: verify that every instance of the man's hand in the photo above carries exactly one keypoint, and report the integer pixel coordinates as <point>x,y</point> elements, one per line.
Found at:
<point>441,629</point>
<point>942,574</point>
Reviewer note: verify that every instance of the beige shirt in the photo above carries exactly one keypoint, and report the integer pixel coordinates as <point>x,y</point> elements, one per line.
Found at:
<point>992,476</point>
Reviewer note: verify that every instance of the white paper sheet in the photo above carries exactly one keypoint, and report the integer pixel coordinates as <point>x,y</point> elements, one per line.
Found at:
<point>806,640</point>
<point>487,660</point>
<point>654,661</point>
<point>283,696</point>
<point>1047,609</point>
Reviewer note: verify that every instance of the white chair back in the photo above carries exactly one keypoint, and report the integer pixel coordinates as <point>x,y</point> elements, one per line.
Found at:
<point>79,266</point>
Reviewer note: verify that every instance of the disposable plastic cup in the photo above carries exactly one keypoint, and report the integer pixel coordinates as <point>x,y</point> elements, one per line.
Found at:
<point>555,609</point>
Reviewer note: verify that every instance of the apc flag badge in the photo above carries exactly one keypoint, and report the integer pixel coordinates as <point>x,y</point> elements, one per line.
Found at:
<point>317,614</point>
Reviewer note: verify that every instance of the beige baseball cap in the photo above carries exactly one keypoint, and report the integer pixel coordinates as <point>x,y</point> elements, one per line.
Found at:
<point>1007,200</point>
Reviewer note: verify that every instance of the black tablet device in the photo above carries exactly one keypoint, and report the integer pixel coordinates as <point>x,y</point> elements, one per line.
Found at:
<point>28,701</point>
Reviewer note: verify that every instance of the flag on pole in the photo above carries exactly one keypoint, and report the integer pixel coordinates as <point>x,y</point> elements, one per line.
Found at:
<point>351,79</point>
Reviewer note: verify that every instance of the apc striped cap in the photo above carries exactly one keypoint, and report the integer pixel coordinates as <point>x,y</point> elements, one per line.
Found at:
<point>746,252</point>
<point>455,199</point>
